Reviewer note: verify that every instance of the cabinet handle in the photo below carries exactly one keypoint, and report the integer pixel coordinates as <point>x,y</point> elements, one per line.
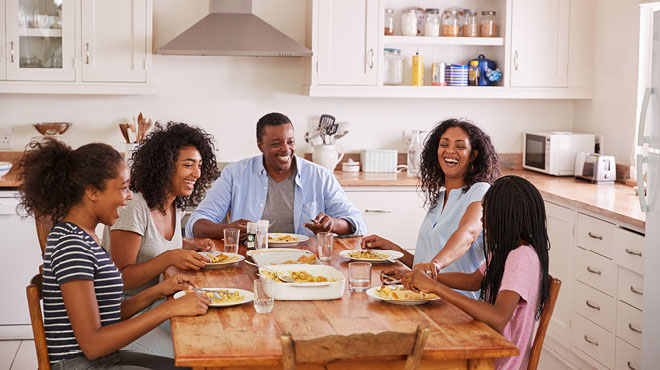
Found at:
<point>371,59</point>
<point>634,253</point>
<point>87,52</point>
<point>12,51</point>
<point>597,272</point>
<point>377,211</point>
<point>634,329</point>
<point>594,236</point>
<point>632,289</point>
<point>515,60</point>
<point>594,306</point>
<point>631,367</point>
<point>594,342</point>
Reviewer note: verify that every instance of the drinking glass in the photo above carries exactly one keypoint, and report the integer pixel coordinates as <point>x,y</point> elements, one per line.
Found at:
<point>231,240</point>
<point>325,241</point>
<point>264,291</point>
<point>359,276</point>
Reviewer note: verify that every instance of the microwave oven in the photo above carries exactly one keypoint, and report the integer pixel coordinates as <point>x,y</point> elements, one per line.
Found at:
<point>554,152</point>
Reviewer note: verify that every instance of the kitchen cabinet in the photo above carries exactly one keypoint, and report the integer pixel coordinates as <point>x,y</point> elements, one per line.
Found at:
<point>394,213</point>
<point>3,61</point>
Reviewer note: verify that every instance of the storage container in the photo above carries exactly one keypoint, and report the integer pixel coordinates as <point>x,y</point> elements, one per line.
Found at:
<point>383,160</point>
<point>309,291</point>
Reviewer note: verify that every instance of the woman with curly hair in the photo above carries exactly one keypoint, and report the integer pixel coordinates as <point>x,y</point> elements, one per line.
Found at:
<point>458,164</point>
<point>174,165</point>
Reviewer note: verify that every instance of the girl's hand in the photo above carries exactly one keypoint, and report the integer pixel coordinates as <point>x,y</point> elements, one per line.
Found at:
<point>418,281</point>
<point>186,259</point>
<point>174,284</point>
<point>191,304</point>
<point>376,242</point>
<point>430,268</point>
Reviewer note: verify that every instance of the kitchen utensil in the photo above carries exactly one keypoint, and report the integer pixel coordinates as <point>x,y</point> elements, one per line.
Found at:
<point>341,134</point>
<point>52,128</point>
<point>280,276</point>
<point>388,277</point>
<point>123,128</point>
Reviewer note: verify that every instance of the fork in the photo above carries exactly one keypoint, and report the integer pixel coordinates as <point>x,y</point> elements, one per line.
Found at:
<point>391,279</point>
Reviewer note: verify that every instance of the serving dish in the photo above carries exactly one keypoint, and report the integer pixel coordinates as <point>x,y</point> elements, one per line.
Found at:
<point>285,240</point>
<point>332,289</point>
<point>383,255</point>
<point>277,256</point>
<point>247,296</point>
<point>232,258</point>
<point>52,128</point>
<point>5,167</point>
<point>372,292</point>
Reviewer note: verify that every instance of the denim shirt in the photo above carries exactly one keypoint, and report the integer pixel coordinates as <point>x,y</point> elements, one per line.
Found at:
<point>242,188</point>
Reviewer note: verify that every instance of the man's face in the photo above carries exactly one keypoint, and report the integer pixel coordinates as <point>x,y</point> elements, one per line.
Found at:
<point>278,144</point>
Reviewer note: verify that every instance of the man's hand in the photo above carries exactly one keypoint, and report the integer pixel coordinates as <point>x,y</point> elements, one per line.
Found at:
<point>322,223</point>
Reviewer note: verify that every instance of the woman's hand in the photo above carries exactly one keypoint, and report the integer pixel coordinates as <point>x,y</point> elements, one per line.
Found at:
<point>430,268</point>
<point>418,281</point>
<point>186,259</point>
<point>174,284</point>
<point>191,304</point>
<point>376,242</point>
<point>391,272</point>
<point>202,245</point>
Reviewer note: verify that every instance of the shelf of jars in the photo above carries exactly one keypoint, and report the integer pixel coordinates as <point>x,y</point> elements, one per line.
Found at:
<point>439,40</point>
<point>448,92</point>
<point>40,32</point>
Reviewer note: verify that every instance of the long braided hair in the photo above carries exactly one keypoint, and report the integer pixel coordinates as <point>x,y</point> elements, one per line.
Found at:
<point>513,214</point>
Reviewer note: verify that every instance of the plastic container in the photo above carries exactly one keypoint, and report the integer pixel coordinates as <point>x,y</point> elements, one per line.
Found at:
<point>309,291</point>
<point>389,22</point>
<point>432,22</point>
<point>473,73</point>
<point>417,70</point>
<point>488,24</point>
<point>350,166</point>
<point>470,25</point>
<point>393,68</point>
<point>409,23</point>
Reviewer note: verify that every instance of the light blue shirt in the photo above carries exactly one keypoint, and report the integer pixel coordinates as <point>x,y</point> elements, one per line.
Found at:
<point>441,222</point>
<point>243,186</point>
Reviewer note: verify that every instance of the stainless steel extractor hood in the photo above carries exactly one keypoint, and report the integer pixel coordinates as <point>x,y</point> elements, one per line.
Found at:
<point>231,29</point>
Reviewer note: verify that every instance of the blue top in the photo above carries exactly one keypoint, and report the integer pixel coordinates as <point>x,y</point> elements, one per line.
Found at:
<point>71,254</point>
<point>440,223</point>
<point>242,188</point>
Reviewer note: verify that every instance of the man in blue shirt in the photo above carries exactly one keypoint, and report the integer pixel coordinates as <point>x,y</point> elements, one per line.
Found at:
<point>295,195</point>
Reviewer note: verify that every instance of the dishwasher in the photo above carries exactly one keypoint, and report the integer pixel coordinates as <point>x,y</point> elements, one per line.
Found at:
<point>20,259</point>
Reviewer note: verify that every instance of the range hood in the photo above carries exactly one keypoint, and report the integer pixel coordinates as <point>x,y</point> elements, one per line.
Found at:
<point>232,30</point>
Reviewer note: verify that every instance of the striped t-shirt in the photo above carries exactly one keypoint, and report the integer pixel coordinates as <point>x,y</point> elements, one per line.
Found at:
<point>72,254</point>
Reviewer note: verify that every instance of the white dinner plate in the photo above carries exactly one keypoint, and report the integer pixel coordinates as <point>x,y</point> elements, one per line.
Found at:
<point>247,296</point>
<point>391,255</point>
<point>221,264</point>
<point>371,292</point>
<point>273,239</point>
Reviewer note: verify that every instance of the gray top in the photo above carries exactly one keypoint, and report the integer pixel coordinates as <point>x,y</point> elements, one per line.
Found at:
<point>136,217</point>
<point>279,204</point>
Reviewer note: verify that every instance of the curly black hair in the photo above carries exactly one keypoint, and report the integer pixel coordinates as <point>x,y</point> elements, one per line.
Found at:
<point>54,177</point>
<point>153,164</point>
<point>484,168</point>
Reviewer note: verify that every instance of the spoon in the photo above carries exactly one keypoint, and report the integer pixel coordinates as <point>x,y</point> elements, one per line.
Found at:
<point>284,279</point>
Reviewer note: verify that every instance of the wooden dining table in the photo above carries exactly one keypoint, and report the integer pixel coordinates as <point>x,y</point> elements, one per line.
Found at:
<point>238,337</point>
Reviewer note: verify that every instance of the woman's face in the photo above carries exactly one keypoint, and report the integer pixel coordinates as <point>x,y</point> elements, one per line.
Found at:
<point>187,170</point>
<point>455,153</point>
<point>115,195</point>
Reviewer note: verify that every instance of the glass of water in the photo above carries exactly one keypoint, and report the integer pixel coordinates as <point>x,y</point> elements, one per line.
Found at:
<point>359,276</point>
<point>325,241</point>
<point>231,240</point>
<point>264,292</point>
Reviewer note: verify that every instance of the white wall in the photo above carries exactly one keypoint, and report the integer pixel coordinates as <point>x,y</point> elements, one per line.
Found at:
<point>227,95</point>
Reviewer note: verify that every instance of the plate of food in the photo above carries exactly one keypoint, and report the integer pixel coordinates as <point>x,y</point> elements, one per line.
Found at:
<point>396,294</point>
<point>221,297</point>
<point>285,240</point>
<point>221,259</point>
<point>371,255</point>
<point>283,256</point>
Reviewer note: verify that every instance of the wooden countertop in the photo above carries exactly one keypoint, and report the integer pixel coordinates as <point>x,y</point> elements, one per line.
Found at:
<point>9,180</point>
<point>374,179</point>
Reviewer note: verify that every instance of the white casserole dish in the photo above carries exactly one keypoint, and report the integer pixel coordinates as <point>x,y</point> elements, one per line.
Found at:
<point>308,291</point>
<point>276,256</point>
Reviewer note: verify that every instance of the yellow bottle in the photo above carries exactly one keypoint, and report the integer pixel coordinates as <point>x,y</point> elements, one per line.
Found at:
<point>417,70</point>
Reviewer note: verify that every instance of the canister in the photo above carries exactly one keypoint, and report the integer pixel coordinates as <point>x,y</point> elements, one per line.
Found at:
<point>417,70</point>
<point>439,74</point>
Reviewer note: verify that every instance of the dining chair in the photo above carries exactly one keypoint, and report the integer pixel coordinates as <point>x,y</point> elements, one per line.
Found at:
<point>548,307</point>
<point>334,347</point>
<point>34,297</point>
<point>43,224</point>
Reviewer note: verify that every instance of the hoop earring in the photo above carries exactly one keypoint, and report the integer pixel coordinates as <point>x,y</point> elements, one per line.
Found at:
<point>471,167</point>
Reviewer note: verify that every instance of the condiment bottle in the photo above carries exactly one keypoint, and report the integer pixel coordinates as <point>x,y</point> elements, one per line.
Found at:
<point>409,23</point>
<point>432,22</point>
<point>389,22</point>
<point>417,70</point>
<point>471,26</point>
<point>261,237</point>
<point>251,235</point>
<point>473,73</point>
<point>488,24</point>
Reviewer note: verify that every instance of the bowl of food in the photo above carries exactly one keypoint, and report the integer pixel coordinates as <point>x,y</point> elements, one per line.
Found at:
<point>52,128</point>
<point>5,167</point>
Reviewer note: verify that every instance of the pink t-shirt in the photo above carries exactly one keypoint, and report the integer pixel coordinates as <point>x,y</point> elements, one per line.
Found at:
<point>522,274</point>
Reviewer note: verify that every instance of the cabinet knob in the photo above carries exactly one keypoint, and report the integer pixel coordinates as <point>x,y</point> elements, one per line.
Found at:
<point>371,59</point>
<point>377,211</point>
<point>515,60</point>
<point>11,43</point>
<point>87,52</point>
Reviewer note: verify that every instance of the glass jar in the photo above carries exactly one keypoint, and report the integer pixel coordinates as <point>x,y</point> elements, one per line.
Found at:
<point>432,22</point>
<point>452,20</point>
<point>488,24</point>
<point>471,26</point>
<point>389,22</point>
<point>409,23</point>
<point>393,73</point>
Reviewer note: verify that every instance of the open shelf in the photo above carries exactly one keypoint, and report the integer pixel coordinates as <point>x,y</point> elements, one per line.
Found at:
<point>448,92</point>
<point>424,40</point>
<point>40,32</point>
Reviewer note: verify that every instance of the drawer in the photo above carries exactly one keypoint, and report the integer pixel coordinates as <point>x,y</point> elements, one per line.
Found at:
<point>596,235</point>
<point>593,340</point>
<point>629,324</point>
<point>596,271</point>
<point>598,307</point>
<point>627,356</point>
<point>630,287</point>
<point>629,250</point>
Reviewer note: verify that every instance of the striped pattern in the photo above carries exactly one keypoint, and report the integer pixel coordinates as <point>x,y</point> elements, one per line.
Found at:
<point>71,254</point>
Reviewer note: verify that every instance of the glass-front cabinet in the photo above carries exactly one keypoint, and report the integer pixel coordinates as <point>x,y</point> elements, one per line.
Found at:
<point>40,40</point>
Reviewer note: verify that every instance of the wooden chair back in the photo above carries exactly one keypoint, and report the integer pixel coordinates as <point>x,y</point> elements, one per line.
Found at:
<point>34,297</point>
<point>535,352</point>
<point>334,347</point>
<point>43,224</point>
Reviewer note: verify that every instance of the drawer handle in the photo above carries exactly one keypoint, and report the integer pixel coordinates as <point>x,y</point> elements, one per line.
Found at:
<point>634,253</point>
<point>594,342</point>
<point>377,211</point>
<point>597,272</point>
<point>594,236</point>
<point>594,306</point>
<point>631,367</point>
<point>632,289</point>
<point>634,329</point>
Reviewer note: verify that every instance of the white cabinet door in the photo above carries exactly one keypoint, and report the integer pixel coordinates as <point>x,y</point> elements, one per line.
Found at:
<point>3,61</point>
<point>561,226</point>
<point>539,43</point>
<point>347,42</point>
<point>114,40</point>
<point>394,215</point>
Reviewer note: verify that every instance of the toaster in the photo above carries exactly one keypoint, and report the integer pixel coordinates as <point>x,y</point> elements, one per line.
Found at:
<point>596,168</point>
